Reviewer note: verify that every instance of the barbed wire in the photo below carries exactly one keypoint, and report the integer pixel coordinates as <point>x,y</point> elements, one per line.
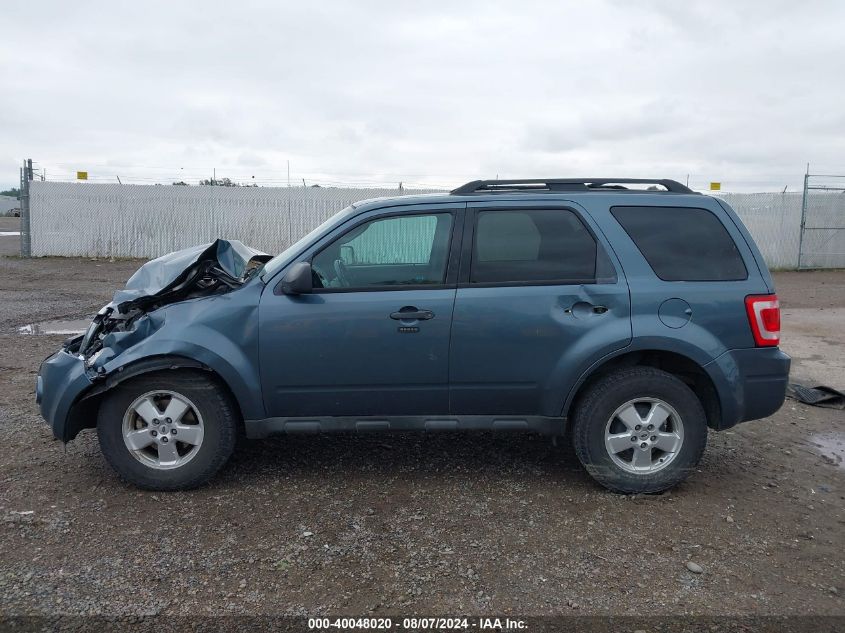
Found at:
<point>270,177</point>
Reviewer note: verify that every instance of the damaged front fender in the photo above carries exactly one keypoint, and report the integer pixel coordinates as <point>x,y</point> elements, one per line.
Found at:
<point>177,311</point>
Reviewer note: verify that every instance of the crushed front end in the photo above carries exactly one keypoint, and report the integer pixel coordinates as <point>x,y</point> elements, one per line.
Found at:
<point>70,379</point>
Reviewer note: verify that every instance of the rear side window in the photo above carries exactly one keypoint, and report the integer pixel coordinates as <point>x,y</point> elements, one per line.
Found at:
<point>683,244</point>
<point>532,245</point>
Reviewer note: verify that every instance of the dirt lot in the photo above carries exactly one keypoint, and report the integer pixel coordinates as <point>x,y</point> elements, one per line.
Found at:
<point>414,524</point>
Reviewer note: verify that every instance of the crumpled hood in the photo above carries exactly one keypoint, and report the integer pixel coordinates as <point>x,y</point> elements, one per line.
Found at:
<point>161,276</point>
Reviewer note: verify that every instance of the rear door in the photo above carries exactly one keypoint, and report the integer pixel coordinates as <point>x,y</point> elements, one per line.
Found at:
<point>539,294</point>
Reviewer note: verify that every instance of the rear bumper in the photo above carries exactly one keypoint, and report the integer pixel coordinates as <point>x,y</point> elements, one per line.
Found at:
<point>61,380</point>
<point>751,383</point>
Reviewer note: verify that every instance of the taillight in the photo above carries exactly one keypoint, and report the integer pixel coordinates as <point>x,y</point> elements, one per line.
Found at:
<point>764,317</point>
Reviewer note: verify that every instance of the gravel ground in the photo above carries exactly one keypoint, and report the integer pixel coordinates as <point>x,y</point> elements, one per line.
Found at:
<point>416,524</point>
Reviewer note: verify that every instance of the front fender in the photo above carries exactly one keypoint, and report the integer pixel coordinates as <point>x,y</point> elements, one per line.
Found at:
<point>217,333</point>
<point>214,353</point>
<point>226,345</point>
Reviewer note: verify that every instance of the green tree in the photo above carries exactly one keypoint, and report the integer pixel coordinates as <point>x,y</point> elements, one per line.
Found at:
<point>220,182</point>
<point>15,193</point>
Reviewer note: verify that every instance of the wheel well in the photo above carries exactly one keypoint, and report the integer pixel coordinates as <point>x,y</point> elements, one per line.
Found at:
<point>678,365</point>
<point>83,413</point>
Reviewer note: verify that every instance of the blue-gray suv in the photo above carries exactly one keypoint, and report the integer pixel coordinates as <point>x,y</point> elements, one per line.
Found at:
<point>626,315</point>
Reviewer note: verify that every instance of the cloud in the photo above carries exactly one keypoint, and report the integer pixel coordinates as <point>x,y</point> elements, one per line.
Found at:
<point>432,92</point>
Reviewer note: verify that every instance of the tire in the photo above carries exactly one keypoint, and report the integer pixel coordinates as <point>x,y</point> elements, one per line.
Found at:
<point>162,460</point>
<point>604,421</point>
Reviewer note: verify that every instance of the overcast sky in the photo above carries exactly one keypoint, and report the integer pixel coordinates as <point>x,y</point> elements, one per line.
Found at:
<point>424,92</point>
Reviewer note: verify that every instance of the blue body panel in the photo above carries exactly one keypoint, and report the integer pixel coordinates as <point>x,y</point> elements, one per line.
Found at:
<point>61,380</point>
<point>506,350</point>
<point>514,346</point>
<point>219,333</point>
<point>751,383</point>
<point>340,354</point>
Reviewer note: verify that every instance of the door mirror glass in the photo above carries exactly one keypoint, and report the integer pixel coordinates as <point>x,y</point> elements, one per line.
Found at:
<point>347,254</point>
<point>297,280</point>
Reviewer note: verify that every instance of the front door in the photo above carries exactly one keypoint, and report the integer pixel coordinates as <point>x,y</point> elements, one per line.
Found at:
<point>373,338</point>
<point>538,295</point>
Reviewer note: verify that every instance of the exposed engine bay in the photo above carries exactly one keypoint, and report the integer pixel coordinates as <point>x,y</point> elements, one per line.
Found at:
<point>200,271</point>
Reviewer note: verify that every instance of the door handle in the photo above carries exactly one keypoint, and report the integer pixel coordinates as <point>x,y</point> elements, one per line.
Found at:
<point>410,313</point>
<point>583,309</point>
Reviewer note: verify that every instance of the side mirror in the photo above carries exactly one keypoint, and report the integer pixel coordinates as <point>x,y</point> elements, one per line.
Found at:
<point>297,280</point>
<point>347,254</point>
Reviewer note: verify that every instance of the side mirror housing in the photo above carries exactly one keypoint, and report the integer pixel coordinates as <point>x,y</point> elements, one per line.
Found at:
<point>298,281</point>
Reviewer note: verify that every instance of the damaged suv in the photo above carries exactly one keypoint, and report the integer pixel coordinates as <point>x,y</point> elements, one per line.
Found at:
<point>627,320</point>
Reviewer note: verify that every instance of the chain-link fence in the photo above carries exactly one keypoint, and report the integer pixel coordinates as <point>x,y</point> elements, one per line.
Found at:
<point>105,220</point>
<point>822,243</point>
<point>774,221</point>
<point>112,220</point>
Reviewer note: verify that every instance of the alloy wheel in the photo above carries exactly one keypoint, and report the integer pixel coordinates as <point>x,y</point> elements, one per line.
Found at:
<point>644,435</point>
<point>163,429</point>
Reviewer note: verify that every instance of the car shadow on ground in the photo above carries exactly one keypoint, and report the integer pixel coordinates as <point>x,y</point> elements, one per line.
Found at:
<point>409,456</point>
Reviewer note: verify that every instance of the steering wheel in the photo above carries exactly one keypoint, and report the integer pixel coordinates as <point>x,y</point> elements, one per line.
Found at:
<point>340,271</point>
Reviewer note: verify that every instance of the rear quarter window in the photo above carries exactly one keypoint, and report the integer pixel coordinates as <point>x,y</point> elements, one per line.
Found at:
<point>683,243</point>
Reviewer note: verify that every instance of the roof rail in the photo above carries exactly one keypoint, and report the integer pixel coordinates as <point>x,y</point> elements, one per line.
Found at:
<point>564,184</point>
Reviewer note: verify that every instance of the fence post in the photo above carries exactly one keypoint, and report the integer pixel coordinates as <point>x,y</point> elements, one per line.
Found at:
<point>803,218</point>
<point>26,233</point>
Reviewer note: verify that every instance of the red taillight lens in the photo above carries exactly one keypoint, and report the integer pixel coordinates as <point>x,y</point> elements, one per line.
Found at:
<point>764,317</point>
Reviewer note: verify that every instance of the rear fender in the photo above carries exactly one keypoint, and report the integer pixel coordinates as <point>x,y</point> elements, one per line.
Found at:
<point>727,396</point>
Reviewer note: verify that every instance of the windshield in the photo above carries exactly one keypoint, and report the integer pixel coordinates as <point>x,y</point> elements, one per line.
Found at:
<point>283,258</point>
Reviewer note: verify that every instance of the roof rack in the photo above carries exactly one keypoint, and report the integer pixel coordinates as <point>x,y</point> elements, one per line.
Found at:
<point>565,184</point>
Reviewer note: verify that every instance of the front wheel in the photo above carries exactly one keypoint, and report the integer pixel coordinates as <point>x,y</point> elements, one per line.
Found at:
<point>170,430</point>
<point>639,430</point>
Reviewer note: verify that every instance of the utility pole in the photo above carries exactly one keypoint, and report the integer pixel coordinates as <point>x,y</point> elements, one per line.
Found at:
<point>288,173</point>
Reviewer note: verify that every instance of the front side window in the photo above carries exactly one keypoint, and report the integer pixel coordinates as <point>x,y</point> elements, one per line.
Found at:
<point>683,243</point>
<point>532,245</point>
<point>407,250</point>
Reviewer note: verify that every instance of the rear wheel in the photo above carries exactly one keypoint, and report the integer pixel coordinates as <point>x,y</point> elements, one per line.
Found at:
<point>639,430</point>
<point>168,430</point>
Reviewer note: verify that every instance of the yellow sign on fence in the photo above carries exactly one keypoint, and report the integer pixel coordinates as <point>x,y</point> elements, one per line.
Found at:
<point>715,186</point>
<point>82,175</point>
